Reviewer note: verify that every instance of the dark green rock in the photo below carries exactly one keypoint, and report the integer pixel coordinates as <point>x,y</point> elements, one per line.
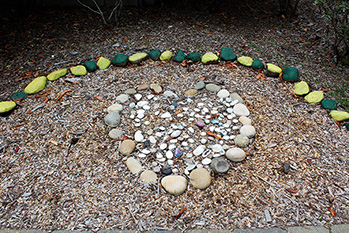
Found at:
<point>257,65</point>
<point>329,104</point>
<point>154,54</point>
<point>227,54</point>
<point>90,66</point>
<point>120,60</point>
<point>347,125</point>
<point>194,57</point>
<point>180,56</point>
<point>18,96</point>
<point>290,74</point>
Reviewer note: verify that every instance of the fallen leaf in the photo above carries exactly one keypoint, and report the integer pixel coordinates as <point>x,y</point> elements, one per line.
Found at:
<point>125,39</point>
<point>291,190</point>
<point>99,98</point>
<point>180,213</point>
<point>302,41</point>
<point>208,32</point>
<point>324,89</point>
<point>333,213</point>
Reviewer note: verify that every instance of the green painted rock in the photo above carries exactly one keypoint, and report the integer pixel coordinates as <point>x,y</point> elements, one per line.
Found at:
<point>347,125</point>
<point>257,65</point>
<point>103,63</point>
<point>329,104</point>
<point>314,97</point>
<point>273,68</point>
<point>227,54</point>
<point>245,61</point>
<point>301,88</point>
<point>339,115</point>
<point>180,56</point>
<point>78,70</point>
<point>194,57</point>
<point>290,74</point>
<point>137,58</point>
<point>91,66</point>
<point>18,96</point>
<point>7,106</point>
<point>120,60</point>
<point>57,74</point>
<point>166,56</point>
<point>154,54</point>
<point>36,85</point>
<point>209,58</point>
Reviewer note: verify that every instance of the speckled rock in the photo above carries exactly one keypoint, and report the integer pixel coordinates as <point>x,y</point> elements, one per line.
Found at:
<point>241,140</point>
<point>219,165</point>
<point>156,88</point>
<point>235,154</point>
<point>149,177</point>
<point>200,85</point>
<point>174,184</point>
<point>115,108</point>
<point>190,92</point>
<point>200,178</point>
<point>236,96</point>
<point>213,87</point>
<point>116,133</point>
<point>133,165</point>
<point>127,146</point>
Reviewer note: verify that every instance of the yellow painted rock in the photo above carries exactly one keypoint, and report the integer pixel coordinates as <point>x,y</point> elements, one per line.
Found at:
<point>7,106</point>
<point>103,63</point>
<point>246,61</point>
<point>209,58</point>
<point>339,115</point>
<point>166,56</point>
<point>57,74</point>
<point>78,70</point>
<point>273,68</point>
<point>301,88</point>
<point>314,97</point>
<point>36,85</point>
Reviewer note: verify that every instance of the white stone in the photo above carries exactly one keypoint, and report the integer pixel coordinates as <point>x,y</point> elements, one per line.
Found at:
<point>245,120</point>
<point>206,161</point>
<point>185,144</point>
<point>149,177</point>
<point>235,154</point>
<point>122,98</point>
<point>216,148</point>
<point>159,155</point>
<point>152,139</point>
<point>165,115</point>
<point>142,103</point>
<point>115,108</point>
<point>163,146</point>
<point>146,151</point>
<point>169,154</point>
<point>203,141</point>
<point>146,107</point>
<point>191,130</point>
<point>241,110</point>
<point>191,141</point>
<point>133,165</point>
<point>138,97</point>
<point>199,150</point>
<point>138,136</point>
<point>170,162</point>
<point>141,155</point>
<point>248,130</point>
<point>229,110</point>
<point>171,146</point>
<point>223,93</point>
<point>176,133</point>
<point>174,184</point>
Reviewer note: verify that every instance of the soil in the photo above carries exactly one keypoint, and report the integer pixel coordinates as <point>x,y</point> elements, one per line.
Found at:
<point>40,190</point>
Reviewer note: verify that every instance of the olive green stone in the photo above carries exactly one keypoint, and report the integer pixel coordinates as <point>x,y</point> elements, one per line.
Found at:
<point>18,96</point>
<point>103,63</point>
<point>154,54</point>
<point>36,85</point>
<point>137,57</point>
<point>290,74</point>
<point>339,115</point>
<point>180,56</point>
<point>194,57</point>
<point>120,60</point>
<point>314,97</point>
<point>329,104</point>
<point>257,65</point>
<point>7,106</point>
<point>166,56</point>
<point>227,54</point>
<point>301,88</point>
<point>78,70</point>
<point>245,61</point>
<point>209,58</point>
<point>273,68</point>
<point>90,66</point>
<point>57,74</point>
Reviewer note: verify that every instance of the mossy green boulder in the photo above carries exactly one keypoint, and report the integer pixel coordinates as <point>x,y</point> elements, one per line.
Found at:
<point>57,74</point>
<point>78,70</point>
<point>339,115</point>
<point>36,85</point>
<point>19,95</point>
<point>209,58</point>
<point>166,56</point>
<point>257,65</point>
<point>103,63</point>
<point>329,104</point>
<point>314,97</point>
<point>120,60</point>
<point>91,66</point>
<point>273,68</point>
<point>7,106</point>
<point>245,61</point>
<point>301,88</point>
<point>137,57</point>
<point>194,57</point>
<point>227,54</point>
<point>154,54</point>
<point>180,56</point>
<point>290,74</point>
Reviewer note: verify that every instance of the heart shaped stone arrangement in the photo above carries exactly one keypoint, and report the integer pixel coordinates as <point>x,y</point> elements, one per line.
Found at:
<point>180,134</point>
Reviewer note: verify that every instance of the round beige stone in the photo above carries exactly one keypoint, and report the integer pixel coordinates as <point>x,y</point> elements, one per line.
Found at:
<point>127,146</point>
<point>149,177</point>
<point>190,92</point>
<point>200,178</point>
<point>174,184</point>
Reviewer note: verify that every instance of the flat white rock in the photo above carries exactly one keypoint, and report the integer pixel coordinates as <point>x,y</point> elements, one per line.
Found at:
<point>149,177</point>
<point>245,120</point>
<point>216,148</point>
<point>206,161</point>
<point>133,165</point>
<point>115,108</point>
<point>199,150</point>
<point>248,130</point>
<point>138,97</point>
<point>176,133</point>
<point>166,115</point>
<point>235,154</point>
<point>241,110</point>
<point>139,136</point>
<point>223,93</point>
<point>169,154</point>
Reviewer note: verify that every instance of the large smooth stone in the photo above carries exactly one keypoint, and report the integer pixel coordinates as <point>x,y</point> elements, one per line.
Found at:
<point>127,147</point>
<point>133,165</point>
<point>301,88</point>
<point>112,119</point>
<point>78,70</point>
<point>57,74</point>
<point>241,140</point>
<point>122,98</point>
<point>137,58</point>
<point>223,94</point>
<point>180,56</point>
<point>241,110</point>
<point>116,133</point>
<point>190,92</point>
<point>257,65</point>
<point>36,85</point>
<point>329,104</point>
<point>227,54</point>
<point>213,87</point>
<point>314,97</point>
<point>209,58</point>
<point>115,108</point>
<point>290,74</point>
<point>7,106</point>
<point>90,66</point>
<point>156,88</point>
<point>120,60</point>
<point>154,54</point>
<point>245,61</point>
<point>200,85</point>
<point>248,130</point>
<point>174,184</point>
<point>245,120</point>
<point>235,96</point>
<point>339,115</point>
<point>194,57</point>
<point>235,154</point>
<point>200,178</point>
<point>149,177</point>
<point>219,165</point>
<point>103,63</point>
<point>166,56</point>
